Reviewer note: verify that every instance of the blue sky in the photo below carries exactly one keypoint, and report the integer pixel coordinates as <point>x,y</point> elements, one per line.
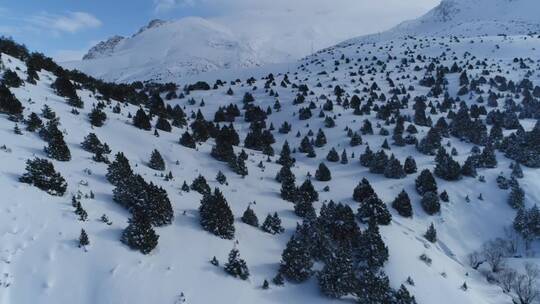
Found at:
<point>66,29</point>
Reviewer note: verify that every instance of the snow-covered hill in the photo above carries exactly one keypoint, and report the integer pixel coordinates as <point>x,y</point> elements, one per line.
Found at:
<point>41,262</point>
<point>469,18</point>
<point>167,50</point>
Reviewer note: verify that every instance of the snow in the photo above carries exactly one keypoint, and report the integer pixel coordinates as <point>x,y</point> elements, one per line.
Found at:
<point>39,258</point>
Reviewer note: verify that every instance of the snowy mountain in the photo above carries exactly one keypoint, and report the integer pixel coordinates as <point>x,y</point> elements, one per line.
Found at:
<point>471,18</point>
<point>369,172</point>
<point>163,50</point>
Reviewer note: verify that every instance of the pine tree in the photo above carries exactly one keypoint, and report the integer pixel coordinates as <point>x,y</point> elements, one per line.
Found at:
<point>402,204</point>
<point>304,208</point>
<point>373,287</point>
<point>11,79</point>
<point>285,158</point>
<point>33,122</point>
<point>431,234</point>
<point>288,187</point>
<point>187,140</point>
<point>403,296</point>
<point>141,120</point>
<point>236,266</point>
<point>249,217</point>
<point>425,182</point>
<point>372,251</point>
<point>8,102</point>
<point>363,191</point>
<point>221,178</point>
<point>57,147</point>
<point>97,117</point>
<point>156,161</point>
<point>65,88</point>
<point>139,234</point>
<point>344,159</point>
<point>410,165</point>
<point>216,216</point>
<point>332,156</point>
<point>119,171</point>
<point>374,208</point>
<point>337,279</point>
<point>516,199</point>
<point>296,262</point>
<point>272,224</point>
<point>307,192</point>
<point>517,172</point>
<point>83,239</point>
<point>356,140</point>
<point>323,173</point>
<point>394,169</point>
<point>200,185</point>
<point>41,174</point>
<point>430,203</point>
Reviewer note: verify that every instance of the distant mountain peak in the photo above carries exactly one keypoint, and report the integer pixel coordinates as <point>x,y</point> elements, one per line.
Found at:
<point>103,48</point>
<point>155,23</point>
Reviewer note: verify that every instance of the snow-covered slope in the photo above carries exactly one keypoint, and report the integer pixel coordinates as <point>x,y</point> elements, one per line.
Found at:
<point>469,18</point>
<point>168,50</point>
<point>40,261</point>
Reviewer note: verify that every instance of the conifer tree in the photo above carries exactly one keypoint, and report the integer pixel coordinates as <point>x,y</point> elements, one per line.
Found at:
<point>97,117</point>
<point>272,224</point>
<point>516,199</point>
<point>57,147</point>
<point>33,122</point>
<point>430,203</point>
<point>288,187</point>
<point>410,165</point>
<point>200,185</point>
<point>139,234</point>
<point>363,191</point>
<point>337,279</point>
<point>374,208</point>
<point>431,234</point>
<point>156,161</point>
<point>221,178</point>
<point>249,217</point>
<point>8,102</point>
<point>402,204</point>
<point>236,266</point>
<point>216,216</point>
<point>403,296</point>
<point>296,262</point>
<point>41,174</point>
<point>141,120</point>
<point>83,239</point>
<point>323,173</point>
<point>332,156</point>
<point>119,171</point>
<point>187,140</point>
<point>307,192</point>
<point>425,182</point>
<point>372,252</point>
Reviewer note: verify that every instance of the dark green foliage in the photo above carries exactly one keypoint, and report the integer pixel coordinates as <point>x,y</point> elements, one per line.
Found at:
<point>83,239</point>
<point>285,158</point>
<point>410,165</point>
<point>288,187</point>
<point>139,234</point>
<point>33,122</point>
<point>65,88</point>
<point>516,199</point>
<point>221,178</point>
<point>216,216</point>
<point>372,250</point>
<point>296,262</point>
<point>337,279</point>
<point>200,185</point>
<point>431,234</point>
<point>187,140</point>
<point>402,204</point>
<point>41,173</point>
<point>323,173</point>
<point>11,79</point>
<point>92,144</point>
<point>307,192</point>
<point>156,161</point>
<point>97,117</point>
<point>403,296</point>
<point>272,224</point>
<point>57,147</point>
<point>363,191</point>
<point>141,120</point>
<point>119,171</point>
<point>394,169</point>
<point>236,266</point>
<point>374,209</point>
<point>430,203</point>
<point>249,217</point>
<point>8,102</point>
<point>332,156</point>
<point>425,182</point>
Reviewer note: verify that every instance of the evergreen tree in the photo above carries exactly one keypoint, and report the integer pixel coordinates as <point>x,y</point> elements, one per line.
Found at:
<point>83,239</point>
<point>216,216</point>
<point>374,208</point>
<point>141,120</point>
<point>119,171</point>
<point>41,174</point>
<point>221,178</point>
<point>372,252</point>
<point>394,169</point>
<point>11,79</point>
<point>187,140</point>
<point>296,262</point>
<point>236,266</point>
<point>156,161</point>
<point>200,185</point>
<point>33,122</point>
<point>402,204</point>
<point>8,102</point>
<point>304,208</point>
<point>337,279</point>
<point>356,140</point>
<point>425,182</point>
<point>323,173</point>
<point>430,203</point>
<point>139,234</point>
<point>57,147</point>
<point>307,192</point>
<point>332,156</point>
<point>288,187</point>
<point>410,165</point>
<point>363,191</point>
<point>516,199</point>
<point>431,234</point>
<point>373,287</point>
<point>344,159</point>
<point>272,224</point>
<point>285,158</point>
<point>97,117</point>
<point>249,217</point>
<point>163,124</point>
<point>366,157</point>
<point>65,88</point>
<point>403,296</point>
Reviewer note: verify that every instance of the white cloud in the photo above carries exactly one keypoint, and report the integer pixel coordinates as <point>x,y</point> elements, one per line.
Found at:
<point>297,26</point>
<point>71,22</point>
